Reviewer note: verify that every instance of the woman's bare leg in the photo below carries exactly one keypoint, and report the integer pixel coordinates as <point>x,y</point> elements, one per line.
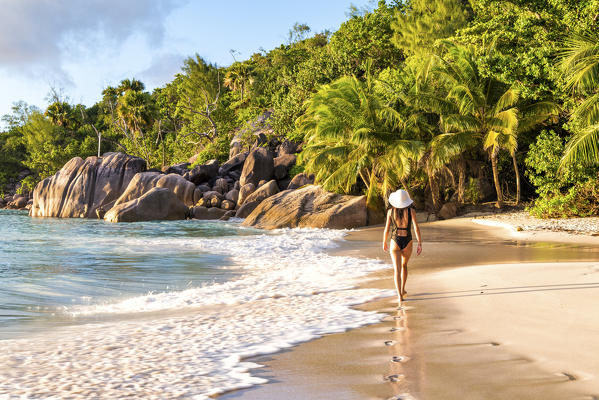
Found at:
<point>405,257</point>
<point>395,252</point>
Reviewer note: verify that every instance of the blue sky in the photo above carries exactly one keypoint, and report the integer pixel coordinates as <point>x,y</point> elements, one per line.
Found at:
<point>80,47</point>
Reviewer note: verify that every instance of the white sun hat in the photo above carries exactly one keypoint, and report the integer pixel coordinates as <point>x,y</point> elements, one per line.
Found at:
<point>400,199</point>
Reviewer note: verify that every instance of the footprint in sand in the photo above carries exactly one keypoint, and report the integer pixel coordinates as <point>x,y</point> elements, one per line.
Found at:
<point>390,343</point>
<point>567,375</point>
<point>400,359</point>
<point>397,329</point>
<point>394,378</point>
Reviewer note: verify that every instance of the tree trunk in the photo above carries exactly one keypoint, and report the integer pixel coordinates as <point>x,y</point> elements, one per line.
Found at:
<point>517,178</point>
<point>434,191</point>
<point>461,179</point>
<point>496,179</point>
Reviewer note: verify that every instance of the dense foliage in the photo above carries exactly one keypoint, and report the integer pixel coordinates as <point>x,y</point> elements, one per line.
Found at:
<point>437,96</point>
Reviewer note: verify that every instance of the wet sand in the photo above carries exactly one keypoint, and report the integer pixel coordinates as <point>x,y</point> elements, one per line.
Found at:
<point>491,314</point>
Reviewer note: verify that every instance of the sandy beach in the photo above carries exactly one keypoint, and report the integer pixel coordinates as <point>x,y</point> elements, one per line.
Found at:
<point>494,311</point>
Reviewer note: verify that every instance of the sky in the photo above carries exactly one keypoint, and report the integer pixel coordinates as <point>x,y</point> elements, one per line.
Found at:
<point>80,47</point>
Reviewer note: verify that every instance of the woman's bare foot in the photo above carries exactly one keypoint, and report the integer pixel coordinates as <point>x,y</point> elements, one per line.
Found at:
<point>403,293</point>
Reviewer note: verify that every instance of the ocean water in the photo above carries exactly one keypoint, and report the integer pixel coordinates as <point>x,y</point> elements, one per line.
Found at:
<point>162,309</point>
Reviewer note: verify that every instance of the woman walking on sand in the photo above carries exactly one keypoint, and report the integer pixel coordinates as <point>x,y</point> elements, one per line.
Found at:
<point>400,218</point>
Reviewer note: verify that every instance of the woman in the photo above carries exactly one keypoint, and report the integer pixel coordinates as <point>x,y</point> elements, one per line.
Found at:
<point>400,218</point>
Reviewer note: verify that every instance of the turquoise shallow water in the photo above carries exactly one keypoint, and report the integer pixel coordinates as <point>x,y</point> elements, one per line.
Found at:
<point>48,266</point>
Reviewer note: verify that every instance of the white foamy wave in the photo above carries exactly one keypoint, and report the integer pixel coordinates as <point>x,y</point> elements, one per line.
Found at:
<point>290,291</point>
<point>287,262</point>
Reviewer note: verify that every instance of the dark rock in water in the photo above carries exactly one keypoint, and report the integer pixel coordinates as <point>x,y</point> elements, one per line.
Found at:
<point>203,173</point>
<point>207,213</point>
<point>246,209</point>
<point>258,166</point>
<point>227,215</point>
<point>18,202</point>
<point>80,187</point>
<point>157,204</point>
<point>310,206</point>
<point>264,191</point>
<point>300,180</point>
<point>245,191</point>
<point>143,182</point>
<point>179,169</point>
<point>449,210</point>
<point>237,185</point>
<point>233,163</point>
<point>283,164</point>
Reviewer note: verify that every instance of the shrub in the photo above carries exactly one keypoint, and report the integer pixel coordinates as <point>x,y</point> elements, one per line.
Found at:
<point>567,192</point>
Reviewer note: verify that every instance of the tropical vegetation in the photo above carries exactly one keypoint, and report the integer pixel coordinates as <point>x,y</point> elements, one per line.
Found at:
<point>456,101</point>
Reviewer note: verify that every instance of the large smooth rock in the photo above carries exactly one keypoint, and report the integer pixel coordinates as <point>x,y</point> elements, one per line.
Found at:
<point>246,209</point>
<point>143,182</point>
<point>83,186</point>
<point>157,204</point>
<point>283,164</point>
<point>232,195</point>
<point>263,192</point>
<point>449,210</point>
<point>310,206</point>
<point>207,213</point>
<point>300,180</point>
<point>245,191</point>
<point>233,163</point>
<point>258,166</point>
<point>203,173</point>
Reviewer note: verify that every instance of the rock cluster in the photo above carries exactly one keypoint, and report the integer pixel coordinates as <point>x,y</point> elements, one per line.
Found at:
<point>254,184</point>
<point>16,202</point>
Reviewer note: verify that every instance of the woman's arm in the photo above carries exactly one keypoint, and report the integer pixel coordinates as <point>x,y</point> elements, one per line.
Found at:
<point>386,234</point>
<point>417,230</point>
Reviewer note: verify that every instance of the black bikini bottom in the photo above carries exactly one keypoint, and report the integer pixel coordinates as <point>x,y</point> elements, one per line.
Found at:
<point>403,241</point>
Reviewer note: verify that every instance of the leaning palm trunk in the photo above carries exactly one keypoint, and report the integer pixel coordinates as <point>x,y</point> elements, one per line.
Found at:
<point>461,179</point>
<point>517,178</point>
<point>496,178</point>
<point>432,182</point>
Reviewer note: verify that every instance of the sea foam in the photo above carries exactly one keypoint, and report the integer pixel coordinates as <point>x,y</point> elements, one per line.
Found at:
<point>288,291</point>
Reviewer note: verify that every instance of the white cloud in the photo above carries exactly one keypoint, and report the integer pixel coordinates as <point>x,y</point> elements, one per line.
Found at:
<point>37,36</point>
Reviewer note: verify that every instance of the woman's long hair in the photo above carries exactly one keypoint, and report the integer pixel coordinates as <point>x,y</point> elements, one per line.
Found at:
<point>400,215</point>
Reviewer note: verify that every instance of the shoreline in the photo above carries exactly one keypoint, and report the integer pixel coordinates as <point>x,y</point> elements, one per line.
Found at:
<point>425,345</point>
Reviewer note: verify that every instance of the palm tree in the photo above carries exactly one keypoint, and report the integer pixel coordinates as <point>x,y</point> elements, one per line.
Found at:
<point>131,84</point>
<point>580,65</point>
<point>59,113</point>
<point>478,110</point>
<point>352,136</point>
<point>239,77</point>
